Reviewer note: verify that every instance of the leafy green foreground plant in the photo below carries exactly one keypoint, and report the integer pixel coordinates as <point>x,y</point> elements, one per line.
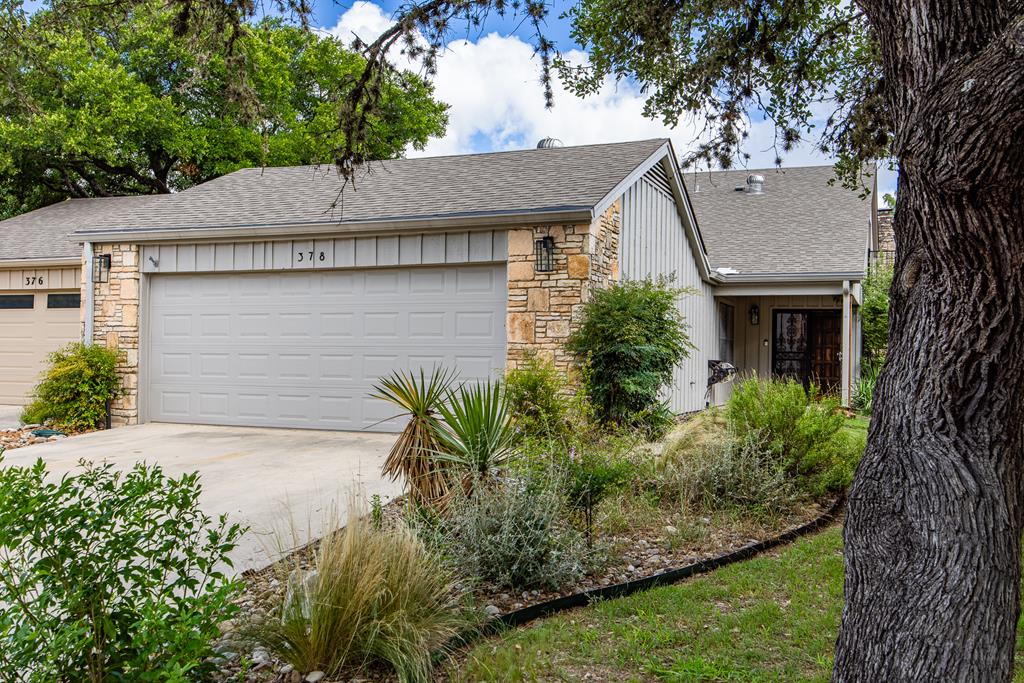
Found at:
<point>373,597</point>
<point>110,576</point>
<point>414,455</point>
<point>74,391</point>
<point>631,338</point>
<point>477,433</point>
<point>864,389</point>
<point>536,392</point>
<point>590,475</point>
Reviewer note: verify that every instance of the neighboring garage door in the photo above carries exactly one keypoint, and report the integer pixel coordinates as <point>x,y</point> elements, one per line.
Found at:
<point>33,324</point>
<point>303,349</point>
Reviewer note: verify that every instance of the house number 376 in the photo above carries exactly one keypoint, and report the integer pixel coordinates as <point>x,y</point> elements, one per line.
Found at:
<point>310,256</point>
<point>33,280</point>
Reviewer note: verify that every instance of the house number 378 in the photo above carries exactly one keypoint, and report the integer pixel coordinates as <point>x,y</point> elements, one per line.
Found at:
<point>310,256</point>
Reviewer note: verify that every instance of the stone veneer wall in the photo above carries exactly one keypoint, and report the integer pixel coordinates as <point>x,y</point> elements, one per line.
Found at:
<point>116,324</point>
<point>543,308</point>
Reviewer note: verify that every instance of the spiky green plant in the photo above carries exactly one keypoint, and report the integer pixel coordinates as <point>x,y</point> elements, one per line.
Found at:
<point>477,433</point>
<point>414,455</point>
<point>373,596</point>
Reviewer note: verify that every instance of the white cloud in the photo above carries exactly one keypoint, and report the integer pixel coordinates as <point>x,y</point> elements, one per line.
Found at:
<point>497,101</point>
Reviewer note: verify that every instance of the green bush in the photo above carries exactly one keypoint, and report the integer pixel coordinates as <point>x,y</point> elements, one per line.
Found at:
<point>590,474</point>
<point>74,391</point>
<point>512,534</point>
<point>864,389</point>
<point>109,576</point>
<point>801,436</point>
<point>874,310</point>
<point>630,340</point>
<point>537,397</point>
<point>373,596</point>
<point>726,473</point>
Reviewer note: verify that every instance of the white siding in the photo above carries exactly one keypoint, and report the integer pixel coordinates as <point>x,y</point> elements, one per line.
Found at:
<point>654,244</point>
<point>485,246</point>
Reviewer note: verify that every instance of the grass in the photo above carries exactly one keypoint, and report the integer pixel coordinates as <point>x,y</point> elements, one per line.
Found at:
<point>773,618</point>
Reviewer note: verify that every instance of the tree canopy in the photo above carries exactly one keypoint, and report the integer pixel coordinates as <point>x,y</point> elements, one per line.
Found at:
<point>127,106</point>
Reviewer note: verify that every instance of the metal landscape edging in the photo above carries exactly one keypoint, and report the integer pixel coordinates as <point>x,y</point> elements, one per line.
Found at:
<point>567,602</point>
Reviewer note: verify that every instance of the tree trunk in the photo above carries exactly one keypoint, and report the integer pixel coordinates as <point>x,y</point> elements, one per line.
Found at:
<point>936,511</point>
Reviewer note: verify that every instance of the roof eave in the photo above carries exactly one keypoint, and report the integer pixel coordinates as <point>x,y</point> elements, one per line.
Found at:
<point>41,262</point>
<point>774,278</point>
<point>481,221</point>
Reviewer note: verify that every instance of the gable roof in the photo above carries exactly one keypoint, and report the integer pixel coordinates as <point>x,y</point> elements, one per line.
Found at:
<point>799,225</point>
<point>550,184</point>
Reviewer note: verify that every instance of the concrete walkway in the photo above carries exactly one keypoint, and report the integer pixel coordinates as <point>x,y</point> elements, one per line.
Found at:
<point>10,417</point>
<point>274,480</point>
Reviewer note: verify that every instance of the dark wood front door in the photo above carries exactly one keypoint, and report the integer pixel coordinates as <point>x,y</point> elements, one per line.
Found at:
<point>807,346</point>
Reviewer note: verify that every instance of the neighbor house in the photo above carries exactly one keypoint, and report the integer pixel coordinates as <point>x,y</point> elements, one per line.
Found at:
<point>278,296</point>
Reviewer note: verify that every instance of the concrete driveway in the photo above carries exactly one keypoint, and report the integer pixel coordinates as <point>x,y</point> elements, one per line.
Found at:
<point>274,480</point>
<point>10,417</point>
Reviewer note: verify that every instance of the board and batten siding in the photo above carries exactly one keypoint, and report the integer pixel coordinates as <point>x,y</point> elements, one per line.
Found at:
<point>653,244</point>
<point>15,279</point>
<point>484,246</point>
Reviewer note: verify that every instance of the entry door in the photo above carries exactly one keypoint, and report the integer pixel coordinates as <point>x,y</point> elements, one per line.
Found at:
<point>303,349</point>
<point>806,346</point>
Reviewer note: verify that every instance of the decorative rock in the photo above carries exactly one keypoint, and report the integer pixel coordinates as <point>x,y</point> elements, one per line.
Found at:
<point>671,529</point>
<point>315,676</point>
<point>260,656</point>
<point>492,611</point>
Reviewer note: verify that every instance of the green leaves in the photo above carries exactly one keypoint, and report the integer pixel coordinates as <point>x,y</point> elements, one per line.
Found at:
<point>631,338</point>
<point>110,575</point>
<point>477,431</point>
<point>117,104</point>
<point>74,391</point>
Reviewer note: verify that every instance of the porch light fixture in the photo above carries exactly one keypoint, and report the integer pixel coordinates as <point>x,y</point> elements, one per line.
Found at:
<point>101,268</point>
<point>755,314</point>
<point>544,251</point>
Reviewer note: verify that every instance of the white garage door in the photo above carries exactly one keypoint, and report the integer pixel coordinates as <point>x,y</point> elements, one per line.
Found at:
<point>32,324</point>
<point>304,349</point>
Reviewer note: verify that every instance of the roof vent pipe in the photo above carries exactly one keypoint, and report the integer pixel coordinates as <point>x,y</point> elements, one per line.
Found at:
<point>755,183</point>
<point>549,143</point>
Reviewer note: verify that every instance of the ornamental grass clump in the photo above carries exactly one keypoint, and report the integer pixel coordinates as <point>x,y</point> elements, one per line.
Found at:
<point>373,598</point>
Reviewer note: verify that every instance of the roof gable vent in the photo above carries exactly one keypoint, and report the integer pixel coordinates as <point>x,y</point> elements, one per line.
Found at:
<point>550,143</point>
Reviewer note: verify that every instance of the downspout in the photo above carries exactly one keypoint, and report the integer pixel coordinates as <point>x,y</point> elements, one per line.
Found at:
<point>90,295</point>
<point>847,345</point>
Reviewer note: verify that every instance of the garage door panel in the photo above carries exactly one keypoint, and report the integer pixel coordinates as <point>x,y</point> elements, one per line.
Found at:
<point>280,359</point>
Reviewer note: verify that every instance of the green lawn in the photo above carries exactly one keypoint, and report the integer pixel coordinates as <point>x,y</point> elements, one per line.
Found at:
<point>773,618</point>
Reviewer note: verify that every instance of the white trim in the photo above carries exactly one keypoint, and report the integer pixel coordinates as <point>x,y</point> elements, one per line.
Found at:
<point>781,289</point>
<point>90,295</point>
<point>63,261</point>
<point>628,182</point>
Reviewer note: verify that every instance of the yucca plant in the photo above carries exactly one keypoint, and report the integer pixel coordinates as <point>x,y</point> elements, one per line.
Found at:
<point>414,455</point>
<point>373,597</point>
<point>477,433</point>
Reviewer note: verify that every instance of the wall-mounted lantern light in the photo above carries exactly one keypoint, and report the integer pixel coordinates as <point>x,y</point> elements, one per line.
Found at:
<point>101,268</point>
<point>755,314</point>
<point>544,251</point>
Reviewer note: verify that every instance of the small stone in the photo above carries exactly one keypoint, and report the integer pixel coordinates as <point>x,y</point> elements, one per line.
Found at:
<point>295,677</point>
<point>630,568</point>
<point>315,676</point>
<point>260,656</point>
<point>671,529</point>
<point>492,611</point>
<point>286,669</point>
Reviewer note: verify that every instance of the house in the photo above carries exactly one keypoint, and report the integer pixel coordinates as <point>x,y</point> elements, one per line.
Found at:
<point>40,285</point>
<point>278,296</point>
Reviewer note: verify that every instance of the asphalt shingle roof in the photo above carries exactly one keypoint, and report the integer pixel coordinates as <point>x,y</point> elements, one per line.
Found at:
<point>800,224</point>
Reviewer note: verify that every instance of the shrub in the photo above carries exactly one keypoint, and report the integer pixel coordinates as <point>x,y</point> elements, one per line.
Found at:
<point>802,436</point>
<point>414,455</point>
<point>373,597</point>
<point>591,474</point>
<point>874,310</point>
<point>74,391</point>
<point>864,389</point>
<point>630,340</point>
<point>477,433</point>
<point>512,534</point>
<point>109,576</point>
<point>534,392</point>
<point>727,473</point>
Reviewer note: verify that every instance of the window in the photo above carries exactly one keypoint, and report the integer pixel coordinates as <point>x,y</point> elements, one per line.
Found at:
<point>726,327</point>
<point>16,300</point>
<point>64,300</point>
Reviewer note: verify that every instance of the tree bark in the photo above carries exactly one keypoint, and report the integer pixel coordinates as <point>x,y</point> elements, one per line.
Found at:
<point>936,511</point>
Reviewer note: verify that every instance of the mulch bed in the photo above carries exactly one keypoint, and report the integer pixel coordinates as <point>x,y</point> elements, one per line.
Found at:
<point>633,554</point>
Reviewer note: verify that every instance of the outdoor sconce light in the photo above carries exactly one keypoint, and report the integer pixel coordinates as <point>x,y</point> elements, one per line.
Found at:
<point>101,267</point>
<point>544,251</point>
<point>755,314</point>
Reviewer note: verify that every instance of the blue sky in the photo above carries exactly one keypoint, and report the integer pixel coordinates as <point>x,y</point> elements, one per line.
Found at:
<point>489,77</point>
